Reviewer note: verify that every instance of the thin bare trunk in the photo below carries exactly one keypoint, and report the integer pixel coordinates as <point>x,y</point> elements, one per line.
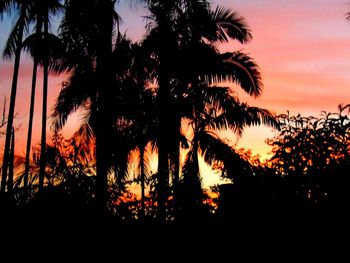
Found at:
<point>30,125</point>
<point>142,171</point>
<point>163,153</point>
<point>44,110</point>
<point>166,53</point>
<point>176,163</point>
<point>11,112</point>
<point>11,163</point>
<point>104,121</point>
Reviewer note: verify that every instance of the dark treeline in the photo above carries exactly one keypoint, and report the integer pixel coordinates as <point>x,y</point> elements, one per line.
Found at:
<point>168,94</point>
<point>307,176</point>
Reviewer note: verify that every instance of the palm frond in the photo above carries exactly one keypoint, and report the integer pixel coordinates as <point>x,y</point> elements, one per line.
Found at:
<point>215,151</point>
<point>238,115</point>
<point>75,93</point>
<point>260,116</point>
<point>151,148</point>
<point>239,68</point>
<point>55,7</point>
<point>85,133</point>
<point>7,6</point>
<point>18,30</point>
<point>217,97</point>
<point>228,25</point>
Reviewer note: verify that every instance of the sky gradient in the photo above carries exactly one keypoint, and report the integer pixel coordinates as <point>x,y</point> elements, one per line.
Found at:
<point>301,46</point>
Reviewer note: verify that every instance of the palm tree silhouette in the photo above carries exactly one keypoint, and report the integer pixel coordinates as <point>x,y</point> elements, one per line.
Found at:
<point>183,34</point>
<point>144,131</point>
<point>92,25</point>
<point>42,11</point>
<point>139,107</point>
<point>81,90</point>
<point>38,45</point>
<point>211,109</point>
<point>134,111</point>
<point>31,117</point>
<point>35,44</point>
<point>14,46</point>
<point>162,40</point>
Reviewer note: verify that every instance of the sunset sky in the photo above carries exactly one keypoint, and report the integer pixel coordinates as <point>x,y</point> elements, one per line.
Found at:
<point>302,47</point>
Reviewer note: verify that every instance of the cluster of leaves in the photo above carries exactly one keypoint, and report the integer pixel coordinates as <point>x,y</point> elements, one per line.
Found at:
<point>307,175</point>
<point>311,146</point>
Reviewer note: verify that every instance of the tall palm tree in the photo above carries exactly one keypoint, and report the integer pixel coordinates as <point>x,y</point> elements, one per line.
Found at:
<point>31,111</point>
<point>133,111</point>
<point>201,29</point>
<point>105,25</point>
<point>42,12</point>
<point>143,131</point>
<point>88,32</point>
<point>162,40</point>
<point>139,107</point>
<point>34,12</point>
<point>210,110</point>
<point>14,46</point>
<point>183,34</point>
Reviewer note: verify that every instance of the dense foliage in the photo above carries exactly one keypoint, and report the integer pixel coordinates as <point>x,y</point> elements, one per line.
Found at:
<point>162,100</point>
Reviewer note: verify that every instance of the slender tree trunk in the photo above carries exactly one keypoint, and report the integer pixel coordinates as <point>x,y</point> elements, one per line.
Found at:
<point>101,162</point>
<point>30,125</point>
<point>104,119</point>
<point>44,110</point>
<point>11,163</point>
<point>142,171</point>
<point>163,174</point>
<point>31,110</point>
<point>11,111</point>
<point>163,150</point>
<point>195,160</point>
<point>176,163</point>
<point>164,100</point>
<point>176,179</point>
<point>191,188</point>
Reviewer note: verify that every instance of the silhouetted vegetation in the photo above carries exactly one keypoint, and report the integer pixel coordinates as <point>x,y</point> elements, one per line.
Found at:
<point>157,100</point>
<point>307,175</point>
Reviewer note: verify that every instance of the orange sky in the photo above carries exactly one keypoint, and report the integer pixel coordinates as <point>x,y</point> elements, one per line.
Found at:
<point>302,47</point>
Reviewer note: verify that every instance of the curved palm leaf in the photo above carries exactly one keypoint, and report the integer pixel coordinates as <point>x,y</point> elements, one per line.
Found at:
<point>226,25</point>
<point>239,115</point>
<point>8,6</point>
<point>239,68</point>
<point>86,131</point>
<point>215,97</point>
<point>22,23</point>
<point>215,150</point>
<point>76,93</point>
